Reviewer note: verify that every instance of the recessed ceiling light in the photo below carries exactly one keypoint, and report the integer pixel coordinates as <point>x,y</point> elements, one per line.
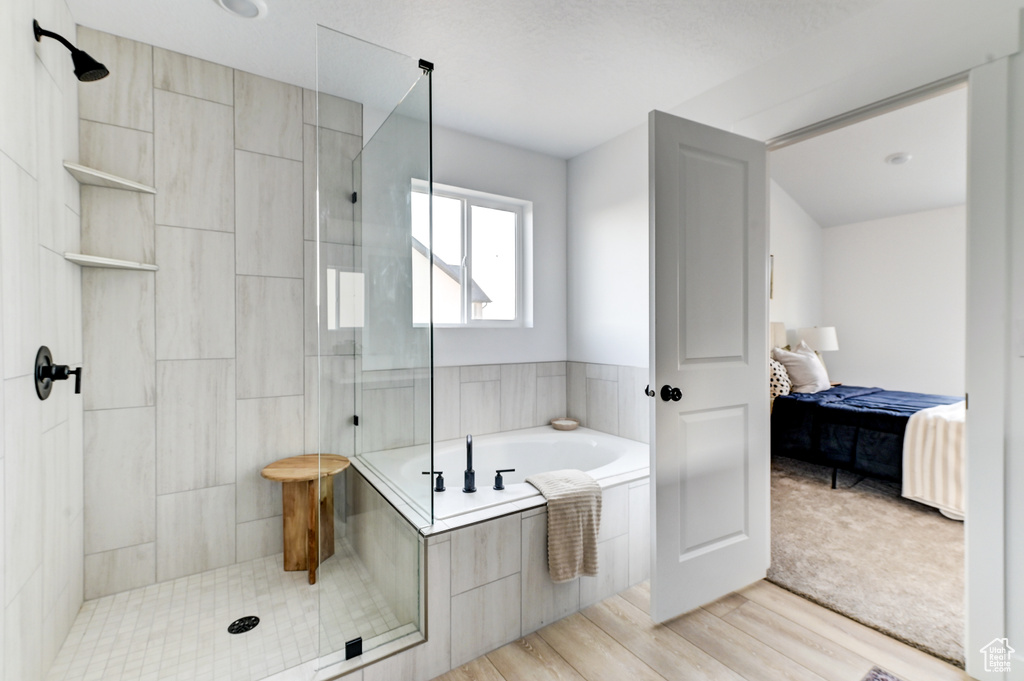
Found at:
<point>898,159</point>
<point>247,9</point>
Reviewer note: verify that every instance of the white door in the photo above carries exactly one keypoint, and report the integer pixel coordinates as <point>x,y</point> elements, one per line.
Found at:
<point>709,339</point>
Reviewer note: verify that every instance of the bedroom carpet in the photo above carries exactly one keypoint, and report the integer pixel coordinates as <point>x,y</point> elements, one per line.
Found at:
<point>866,552</point>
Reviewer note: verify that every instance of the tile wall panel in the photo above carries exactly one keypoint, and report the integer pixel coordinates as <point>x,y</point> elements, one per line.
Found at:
<point>194,77</point>
<point>613,575</point>
<point>268,429</point>
<point>603,405</point>
<point>486,552</point>
<point>268,215</point>
<point>120,478</point>
<point>195,424</point>
<point>119,151</point>
<point>478,626</point>
<point>333,113</point>
<point>195,174</point>
<point>195,531</point>
<point>125,97</point>
<point>330,389</point>
<point>119,570</point>
<point>480,407</point>
<point>118,313</point>
<point>268,339</point>
<point>23,632</point>
<point>268,116</point>
<point>19,269</point>
<point>118,224</point>
<point>327,336</point>
<point>447,403</point>
<point>258,538</point>
<point>24,484</point>
<point>518,396</point>
<point>18,87</point>
<point>195,294</point>
<point>639,532</point>
<point>328,168</point>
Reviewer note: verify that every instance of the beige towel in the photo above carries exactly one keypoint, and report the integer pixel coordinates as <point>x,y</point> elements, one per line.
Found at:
<point>574,518</point>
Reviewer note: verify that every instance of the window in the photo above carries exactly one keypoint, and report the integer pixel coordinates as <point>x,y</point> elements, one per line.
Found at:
<point>478,263</point>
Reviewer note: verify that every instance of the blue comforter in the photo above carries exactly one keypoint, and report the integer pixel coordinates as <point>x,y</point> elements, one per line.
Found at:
<point>859,429</point>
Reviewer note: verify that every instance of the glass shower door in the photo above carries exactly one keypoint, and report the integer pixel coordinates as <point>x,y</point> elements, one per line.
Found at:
<point>373,363</point>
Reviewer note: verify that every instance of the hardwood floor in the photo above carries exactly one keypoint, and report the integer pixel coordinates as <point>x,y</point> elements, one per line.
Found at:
<point>763,633</point>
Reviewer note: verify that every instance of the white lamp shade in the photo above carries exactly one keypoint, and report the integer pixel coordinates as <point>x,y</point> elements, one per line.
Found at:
<point>778,335</point>
<point>820,338</point>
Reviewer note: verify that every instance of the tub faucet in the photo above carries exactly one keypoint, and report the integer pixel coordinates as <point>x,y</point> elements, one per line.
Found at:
<point>470,484</point>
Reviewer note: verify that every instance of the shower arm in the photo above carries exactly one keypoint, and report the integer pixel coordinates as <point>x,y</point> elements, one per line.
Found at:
<point>40,31</point>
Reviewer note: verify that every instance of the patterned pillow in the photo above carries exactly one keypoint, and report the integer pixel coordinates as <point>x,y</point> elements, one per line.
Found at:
<point>779,379</point>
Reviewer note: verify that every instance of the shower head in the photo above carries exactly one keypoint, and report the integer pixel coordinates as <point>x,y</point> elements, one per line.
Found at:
<point>86,68</point>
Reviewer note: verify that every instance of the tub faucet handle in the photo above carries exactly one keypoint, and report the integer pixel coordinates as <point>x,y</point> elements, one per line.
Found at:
<point>499,483</point>
<point>439,483</point>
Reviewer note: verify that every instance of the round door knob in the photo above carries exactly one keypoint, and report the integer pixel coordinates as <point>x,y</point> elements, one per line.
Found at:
<point>669,393</point>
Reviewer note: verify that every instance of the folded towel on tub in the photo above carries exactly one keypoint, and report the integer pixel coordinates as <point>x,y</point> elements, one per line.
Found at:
<point>574,519</point>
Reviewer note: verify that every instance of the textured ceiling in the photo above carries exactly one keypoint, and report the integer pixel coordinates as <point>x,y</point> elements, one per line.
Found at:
<point>841,178</point>
<point>558,76</point>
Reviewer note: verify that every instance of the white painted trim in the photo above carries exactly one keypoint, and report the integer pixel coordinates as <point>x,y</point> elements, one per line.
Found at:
<point>987,354</point>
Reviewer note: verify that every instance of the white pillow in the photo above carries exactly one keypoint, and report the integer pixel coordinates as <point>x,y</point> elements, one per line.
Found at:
<point>805,370</point>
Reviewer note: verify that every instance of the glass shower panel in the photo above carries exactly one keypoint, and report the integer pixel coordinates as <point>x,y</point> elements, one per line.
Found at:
<point>372,369</point>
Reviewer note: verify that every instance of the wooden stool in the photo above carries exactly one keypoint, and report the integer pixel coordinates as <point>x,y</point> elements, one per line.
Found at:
<point>307,491</point>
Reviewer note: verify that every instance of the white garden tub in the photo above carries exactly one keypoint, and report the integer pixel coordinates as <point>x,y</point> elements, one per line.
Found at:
<point>606,458</point>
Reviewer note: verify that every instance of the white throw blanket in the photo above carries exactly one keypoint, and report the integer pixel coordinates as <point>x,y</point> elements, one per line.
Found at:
<point>933,458</point>
<point>574,519</point>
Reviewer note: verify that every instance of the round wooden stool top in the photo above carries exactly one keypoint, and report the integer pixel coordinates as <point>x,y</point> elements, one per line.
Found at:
<point>304,467</point>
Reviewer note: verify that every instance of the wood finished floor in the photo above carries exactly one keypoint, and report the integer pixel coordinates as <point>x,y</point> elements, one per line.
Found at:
<point>762,633</point>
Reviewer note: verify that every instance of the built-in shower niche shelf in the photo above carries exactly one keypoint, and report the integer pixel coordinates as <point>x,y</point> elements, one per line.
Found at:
<point>98,178</point>
<point>109,263</point>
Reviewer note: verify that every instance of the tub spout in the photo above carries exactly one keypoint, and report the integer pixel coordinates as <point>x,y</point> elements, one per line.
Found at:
<point>470,480</point>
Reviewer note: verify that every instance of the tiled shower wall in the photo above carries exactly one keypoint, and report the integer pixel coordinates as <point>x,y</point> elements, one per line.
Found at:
<point>41,303</point>
<point>204,372</point>
<point>481,399</point>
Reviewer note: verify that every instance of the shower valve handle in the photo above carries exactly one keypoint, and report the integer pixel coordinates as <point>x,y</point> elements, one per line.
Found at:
<point>439,484</point>
<point>499,484</point>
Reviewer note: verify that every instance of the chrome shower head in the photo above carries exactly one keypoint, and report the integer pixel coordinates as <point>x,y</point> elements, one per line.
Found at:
<point>86,68</point>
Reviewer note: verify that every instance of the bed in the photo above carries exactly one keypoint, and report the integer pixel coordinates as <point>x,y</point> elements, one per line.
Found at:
<point>865,430</point>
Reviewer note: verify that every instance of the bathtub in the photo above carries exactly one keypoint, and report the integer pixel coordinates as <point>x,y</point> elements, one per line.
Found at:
<point>606,458</point>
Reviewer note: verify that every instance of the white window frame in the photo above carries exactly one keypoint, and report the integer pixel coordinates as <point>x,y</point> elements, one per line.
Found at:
<point>523,211</point>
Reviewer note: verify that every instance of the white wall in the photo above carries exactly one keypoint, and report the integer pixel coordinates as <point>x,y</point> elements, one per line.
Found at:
<point>608,253</point>
<point>41,509</point>
<point>796,250</point>
<point>895,289</point>
<point>483,165</point>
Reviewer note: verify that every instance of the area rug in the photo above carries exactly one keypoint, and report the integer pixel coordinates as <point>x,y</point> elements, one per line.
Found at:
<point>877,674</point>
<point>868,553</point>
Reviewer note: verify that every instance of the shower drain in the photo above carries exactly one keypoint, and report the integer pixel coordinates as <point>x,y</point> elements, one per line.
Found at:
<point>243,624</point>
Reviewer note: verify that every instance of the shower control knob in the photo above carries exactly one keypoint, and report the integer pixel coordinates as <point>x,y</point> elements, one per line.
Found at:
<point>47,372</point>
<point>669,393</point>
<point>499,483</point>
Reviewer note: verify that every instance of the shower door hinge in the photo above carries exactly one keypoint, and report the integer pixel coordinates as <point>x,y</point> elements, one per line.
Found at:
<point>426,66</point>
<point>355,195</point>
<point>355,419</point>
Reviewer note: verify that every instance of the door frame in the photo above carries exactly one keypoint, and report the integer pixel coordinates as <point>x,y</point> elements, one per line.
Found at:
<point>987,350</point>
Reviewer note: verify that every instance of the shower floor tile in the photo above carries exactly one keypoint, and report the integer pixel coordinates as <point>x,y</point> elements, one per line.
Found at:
<point>178,629</point>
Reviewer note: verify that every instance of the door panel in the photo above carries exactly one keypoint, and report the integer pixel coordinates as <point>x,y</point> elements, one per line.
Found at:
<point>712,256</point>
<point>709,338</point>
